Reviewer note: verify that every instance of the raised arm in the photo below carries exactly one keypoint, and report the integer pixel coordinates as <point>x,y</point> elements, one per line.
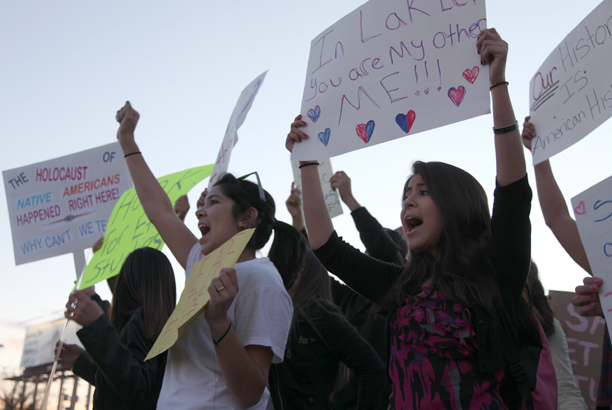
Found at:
<point>554,207</point>
<point>509,155</point>
<point>294,207</point>
<point>318,221</point>
<point>154,200</point>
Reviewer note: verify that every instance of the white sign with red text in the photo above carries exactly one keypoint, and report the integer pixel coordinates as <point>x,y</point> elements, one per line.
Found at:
<point>245,101</point>
<point>62,205</point>
<point>571,93</point>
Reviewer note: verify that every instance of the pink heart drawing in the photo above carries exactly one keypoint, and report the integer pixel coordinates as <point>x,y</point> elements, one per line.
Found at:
<point>456,94</point>
<point>471,75</point>
<point>579,210</point>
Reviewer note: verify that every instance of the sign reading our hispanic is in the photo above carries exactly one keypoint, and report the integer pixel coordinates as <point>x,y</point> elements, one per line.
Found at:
<point>63,205</point>
<point>390,69</point>
<point>571,93</point>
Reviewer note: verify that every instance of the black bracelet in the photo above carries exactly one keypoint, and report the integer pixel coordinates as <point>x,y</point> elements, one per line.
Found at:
<point>132,153</point>
<point>505,130</point>
<point>310,163</point>
<point>224,334</point>
<point>495,85</point>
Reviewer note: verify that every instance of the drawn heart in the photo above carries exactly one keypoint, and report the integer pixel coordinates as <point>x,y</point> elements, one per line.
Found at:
<point>579,210</point>
<point>456,94</point>
<point>471,75</point>
<point>608,253</point>
<point>364,131</point>
<point>316,113</point>
<point>405,121</point>
<point>324,136</point>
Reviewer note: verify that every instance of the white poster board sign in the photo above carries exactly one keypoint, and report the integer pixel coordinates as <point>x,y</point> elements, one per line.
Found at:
<point>332,198</point>
<point>389,69</point>
<point>593,212</point>
<point>571,93</point>
<point>62,205</point>
<point>39,343</point>
<point>245,101</point>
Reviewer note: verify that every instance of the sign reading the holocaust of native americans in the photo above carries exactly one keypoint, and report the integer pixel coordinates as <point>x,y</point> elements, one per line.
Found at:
<point>332,198</point>
<point>571,94</point>
<point>129,228</point>
<point>62,205</point>
<point>195,297</point>
<point>593,211</point>
<point>245,101</point>
<point>392,68</point>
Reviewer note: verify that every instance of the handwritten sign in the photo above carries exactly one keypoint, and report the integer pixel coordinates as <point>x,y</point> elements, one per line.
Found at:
<point>195,297</point>
<point>593,211</point>
<point>245,101</point>
<point>584,341</point>
<point>62,205</point>
<point>571,94</point>
<point>391,69</point>
<point>129,228</point>
<point>332,198</point>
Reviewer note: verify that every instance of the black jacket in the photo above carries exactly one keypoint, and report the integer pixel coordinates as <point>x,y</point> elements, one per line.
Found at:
<point>114,364</point>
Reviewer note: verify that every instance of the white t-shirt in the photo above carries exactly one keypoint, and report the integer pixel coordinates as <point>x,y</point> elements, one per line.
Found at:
<point>261,314</point>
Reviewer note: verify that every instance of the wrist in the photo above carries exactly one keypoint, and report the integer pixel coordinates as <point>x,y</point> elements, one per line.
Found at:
<point>218,327</point>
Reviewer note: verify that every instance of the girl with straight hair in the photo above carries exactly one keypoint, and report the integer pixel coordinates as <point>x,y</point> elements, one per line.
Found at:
<point>451,309</point>
<point>143,300</point>
<point>223,359</point>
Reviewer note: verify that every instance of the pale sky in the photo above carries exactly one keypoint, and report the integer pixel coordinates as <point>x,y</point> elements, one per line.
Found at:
<point>68,66</point>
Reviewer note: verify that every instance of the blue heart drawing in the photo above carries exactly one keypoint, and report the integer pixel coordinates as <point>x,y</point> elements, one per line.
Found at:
<point>606,252</point>
<point>314,114</point>
<point>369,129</point>
<point>324,136</point>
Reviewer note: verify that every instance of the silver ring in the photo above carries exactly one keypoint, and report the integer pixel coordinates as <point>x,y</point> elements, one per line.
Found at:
<point>220,289</point>
<point>496,37</point>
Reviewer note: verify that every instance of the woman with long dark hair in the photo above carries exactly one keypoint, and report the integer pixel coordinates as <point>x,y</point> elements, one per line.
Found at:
<point>452,309</point>
<point>319,340</point>
<point>223,359</point>
<point>143,300</point>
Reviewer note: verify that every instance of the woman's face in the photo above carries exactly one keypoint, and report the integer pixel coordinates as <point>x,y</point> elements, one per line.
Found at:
<point>216,221</point>
<point>420,217</point>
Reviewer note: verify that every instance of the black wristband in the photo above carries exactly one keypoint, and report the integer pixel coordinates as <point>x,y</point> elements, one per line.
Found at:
<point>505,130</point>
<point>498,84</point>
<point>224,334</point>
<point>310,163</point>
<point>132,153</point>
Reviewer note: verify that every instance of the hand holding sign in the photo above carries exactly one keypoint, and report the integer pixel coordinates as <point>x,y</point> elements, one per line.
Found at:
<point>128,118</point>
<point>587,301</point>
<point>222,291</point>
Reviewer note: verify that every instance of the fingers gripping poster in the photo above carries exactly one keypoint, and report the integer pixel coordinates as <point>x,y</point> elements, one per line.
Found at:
<point>390,69</point>
<point>571,93</point>
<point>63,205</point>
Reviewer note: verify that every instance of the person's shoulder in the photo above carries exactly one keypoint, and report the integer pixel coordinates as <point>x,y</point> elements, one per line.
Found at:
<point>258,273</point>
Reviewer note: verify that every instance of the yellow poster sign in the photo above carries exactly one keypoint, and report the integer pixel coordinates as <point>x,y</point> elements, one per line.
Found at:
<point>195,297</point>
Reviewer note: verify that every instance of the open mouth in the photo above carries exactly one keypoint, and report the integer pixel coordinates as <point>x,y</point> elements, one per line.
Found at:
<point>204,229</point>
<point>412,223</point>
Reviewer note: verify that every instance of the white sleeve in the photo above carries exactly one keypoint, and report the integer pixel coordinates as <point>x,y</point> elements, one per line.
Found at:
<point>263,318</point>
<point>570,397</point>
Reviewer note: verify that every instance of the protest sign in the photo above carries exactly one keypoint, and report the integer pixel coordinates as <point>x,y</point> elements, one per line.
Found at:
<point>40,340</point>
<point>245,101</point>
<point>571,93</point>
<point>392,68</point>
<point>584,341</point>
<point>129,228</point>
<point>195,297</point>
<point>593,211</point>
<point>332,198</point>
<point>62,205</point>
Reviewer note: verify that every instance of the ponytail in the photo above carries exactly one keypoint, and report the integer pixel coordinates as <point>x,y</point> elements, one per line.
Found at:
<point>288,252</point>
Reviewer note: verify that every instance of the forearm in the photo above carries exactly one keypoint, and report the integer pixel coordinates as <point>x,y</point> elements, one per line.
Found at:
<point>318,221</point>
<point>85,368</point>
<point>557,215</point>
<point>297,221</point>
<point>351,202</point>
<point>509,155</point>
<point>154,200</point>
<point>245,377</point>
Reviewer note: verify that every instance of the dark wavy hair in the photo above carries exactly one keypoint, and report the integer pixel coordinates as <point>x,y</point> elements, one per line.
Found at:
<point>146,280</point>
<point>462,271</point>
<point>245,195</point>
<point>538,302</point>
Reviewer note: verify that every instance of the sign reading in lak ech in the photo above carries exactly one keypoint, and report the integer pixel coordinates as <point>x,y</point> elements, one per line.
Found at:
<point>62,205</point>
